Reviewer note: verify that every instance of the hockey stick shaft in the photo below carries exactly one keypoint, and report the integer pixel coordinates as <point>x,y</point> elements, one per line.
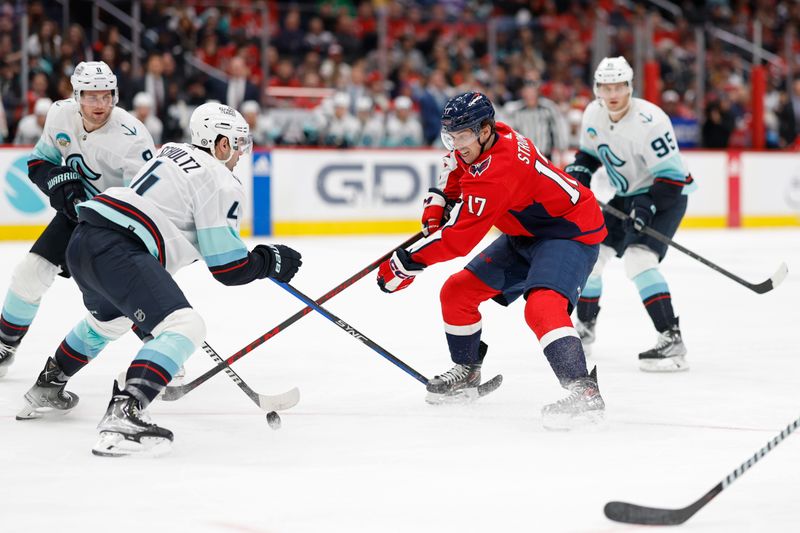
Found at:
<point>637,514</point>
<point>760,288</point>
<point>173,393</point>
<point>353,332</point>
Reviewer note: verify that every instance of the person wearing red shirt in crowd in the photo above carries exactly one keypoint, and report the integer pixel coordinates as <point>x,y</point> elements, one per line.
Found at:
<point>551,229</point>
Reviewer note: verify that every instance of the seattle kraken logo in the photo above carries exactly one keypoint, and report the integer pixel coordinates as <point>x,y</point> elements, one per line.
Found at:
<point>79,165</point>
<point>612,161</point>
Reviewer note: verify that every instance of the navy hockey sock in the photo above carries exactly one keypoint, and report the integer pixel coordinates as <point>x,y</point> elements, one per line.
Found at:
<point>589,301</point>
<point>464,349</point>
<point>566,358</point>
<point>654,291</point>
<point>70,360</point>
<point>145,380</point>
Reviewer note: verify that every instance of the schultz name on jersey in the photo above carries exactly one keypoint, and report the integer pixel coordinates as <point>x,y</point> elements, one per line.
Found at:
<point>184,205</point>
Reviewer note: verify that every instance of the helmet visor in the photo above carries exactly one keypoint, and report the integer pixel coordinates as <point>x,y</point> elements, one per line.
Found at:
<point>244,144</point>
<point>458,139</point>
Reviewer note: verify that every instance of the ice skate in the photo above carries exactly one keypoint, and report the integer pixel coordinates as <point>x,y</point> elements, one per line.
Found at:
<point>668,355</point>
<point>7,351</point>
<point>583,407</point>
<point>586,333</point>
<point>457,385</point>
<point>47,396</point>
<point>126,429</point>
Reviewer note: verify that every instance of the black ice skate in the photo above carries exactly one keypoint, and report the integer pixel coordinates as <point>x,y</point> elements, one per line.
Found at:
<point>668,355</point>
<point>459,384</point>
<point>586,333</point>
<point>7,351</point>
<point>126,430</point>
<point>583,407</point>
<point>47,396</point>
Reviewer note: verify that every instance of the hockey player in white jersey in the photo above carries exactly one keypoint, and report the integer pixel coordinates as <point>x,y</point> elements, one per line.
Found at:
<point>182,206</point>
<point>635,142</point>
<point>88,145</point>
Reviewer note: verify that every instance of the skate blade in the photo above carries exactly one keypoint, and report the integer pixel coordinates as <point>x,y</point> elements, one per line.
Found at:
<point>591,420</point>
<point>112,444</point>
<point>668,364</point>
<point>5,365</point>
<point>32,412</point>
<point>458,397</point>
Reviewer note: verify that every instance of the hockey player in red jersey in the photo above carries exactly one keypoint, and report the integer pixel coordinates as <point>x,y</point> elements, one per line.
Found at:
<point>551,226</point>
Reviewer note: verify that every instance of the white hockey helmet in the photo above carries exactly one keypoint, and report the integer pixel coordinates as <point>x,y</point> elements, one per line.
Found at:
<point>613,70</point>
<point>93,76</point>
<point>212,119</point>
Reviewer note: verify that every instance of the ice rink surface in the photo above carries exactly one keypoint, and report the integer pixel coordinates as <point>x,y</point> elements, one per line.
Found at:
<point>362,452</point>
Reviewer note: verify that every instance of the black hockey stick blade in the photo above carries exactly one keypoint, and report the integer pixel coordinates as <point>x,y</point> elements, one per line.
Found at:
<point>490,386</point>
<point>773,281</point>
<point>631,513</point>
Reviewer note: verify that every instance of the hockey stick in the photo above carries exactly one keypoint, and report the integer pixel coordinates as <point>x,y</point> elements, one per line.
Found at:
<point>179,391</point>
<point>637,514</point>
<point>267,402</point>
<point>353,331</point>
<point>765,286</point>
<point>482,390</point>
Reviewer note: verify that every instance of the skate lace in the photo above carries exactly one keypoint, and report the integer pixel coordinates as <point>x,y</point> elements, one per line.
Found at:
<point>5,350</point>
<point>456,373</point>
<point>664,339</point>
<point>138,414</point>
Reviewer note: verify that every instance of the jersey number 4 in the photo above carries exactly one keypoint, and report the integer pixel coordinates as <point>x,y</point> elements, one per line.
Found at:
<point>147,180</point>
<point>570,186</point>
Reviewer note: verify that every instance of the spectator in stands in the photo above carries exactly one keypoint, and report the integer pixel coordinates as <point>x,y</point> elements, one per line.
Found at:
<point>402,127</point>
<point>719,124</point>
<point>153,83</point>
<point>290,40</point>
<point>342,127</point>
<point>30,127</point>
<point>539,119</point>
<point>370,124</point>
<point>3,123</point>
<point>143,109</point>
<point>237,89</point>
<point>259,127</point>
<point>431,101</point>
<point>317,38</point>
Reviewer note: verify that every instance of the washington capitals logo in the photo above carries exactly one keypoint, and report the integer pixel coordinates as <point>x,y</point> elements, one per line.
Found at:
<point>479,168</point>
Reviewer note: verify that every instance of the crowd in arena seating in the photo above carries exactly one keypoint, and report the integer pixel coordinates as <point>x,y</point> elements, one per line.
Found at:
<point>330,83</point>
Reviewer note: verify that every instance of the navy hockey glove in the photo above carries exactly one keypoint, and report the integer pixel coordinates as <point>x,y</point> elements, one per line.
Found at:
<point>65,189</point>
<point>398,272</point>
<point>642,211</point>
<point>280,262</point>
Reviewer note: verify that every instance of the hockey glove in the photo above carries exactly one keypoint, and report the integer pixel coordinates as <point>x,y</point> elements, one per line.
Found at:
<point>436,211</point>
<point>280,262</point>
<point>397,272</point>
<point>642,211</point>
<point>65,189</point>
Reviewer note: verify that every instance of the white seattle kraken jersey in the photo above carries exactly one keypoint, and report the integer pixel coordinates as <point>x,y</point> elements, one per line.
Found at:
<point>184,205</point>
<point>635,150</point>
<point>403,132</point>
<point>107,157</point>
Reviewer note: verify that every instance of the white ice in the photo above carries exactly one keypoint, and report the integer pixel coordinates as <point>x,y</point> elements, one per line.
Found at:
<point>362,452</point>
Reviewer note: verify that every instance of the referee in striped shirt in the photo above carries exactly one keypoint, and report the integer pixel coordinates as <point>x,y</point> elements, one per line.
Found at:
<point>539,119</point>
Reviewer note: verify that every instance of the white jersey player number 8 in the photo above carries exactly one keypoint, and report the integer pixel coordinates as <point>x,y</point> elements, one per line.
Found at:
<point>569,186</point>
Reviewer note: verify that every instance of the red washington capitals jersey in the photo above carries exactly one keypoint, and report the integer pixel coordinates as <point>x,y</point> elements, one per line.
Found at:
<point>515,188</point>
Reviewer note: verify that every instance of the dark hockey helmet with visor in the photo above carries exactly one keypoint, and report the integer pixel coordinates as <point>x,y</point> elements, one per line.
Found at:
<point>462,118</point>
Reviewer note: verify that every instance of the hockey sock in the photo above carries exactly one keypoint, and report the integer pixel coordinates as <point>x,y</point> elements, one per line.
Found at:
<point>155,364</point>
<point>80,346</point>
<point>654,291</point>
<point>16,318</point>
<point>461,295</point>
<point>589,301</point>
<point>546,314</point>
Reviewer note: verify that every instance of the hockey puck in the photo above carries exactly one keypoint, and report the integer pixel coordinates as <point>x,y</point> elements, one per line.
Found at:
<point>274,420</point>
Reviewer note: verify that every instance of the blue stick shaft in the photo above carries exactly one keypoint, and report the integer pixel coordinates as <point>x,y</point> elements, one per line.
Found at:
<point>352,331</point>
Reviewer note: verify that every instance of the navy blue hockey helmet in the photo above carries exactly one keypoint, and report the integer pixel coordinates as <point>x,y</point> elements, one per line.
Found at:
<point>465,111</point>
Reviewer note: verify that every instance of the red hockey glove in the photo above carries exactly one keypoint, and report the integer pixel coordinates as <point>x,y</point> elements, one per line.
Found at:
<point>435,212</point>
<point>397,272</point>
